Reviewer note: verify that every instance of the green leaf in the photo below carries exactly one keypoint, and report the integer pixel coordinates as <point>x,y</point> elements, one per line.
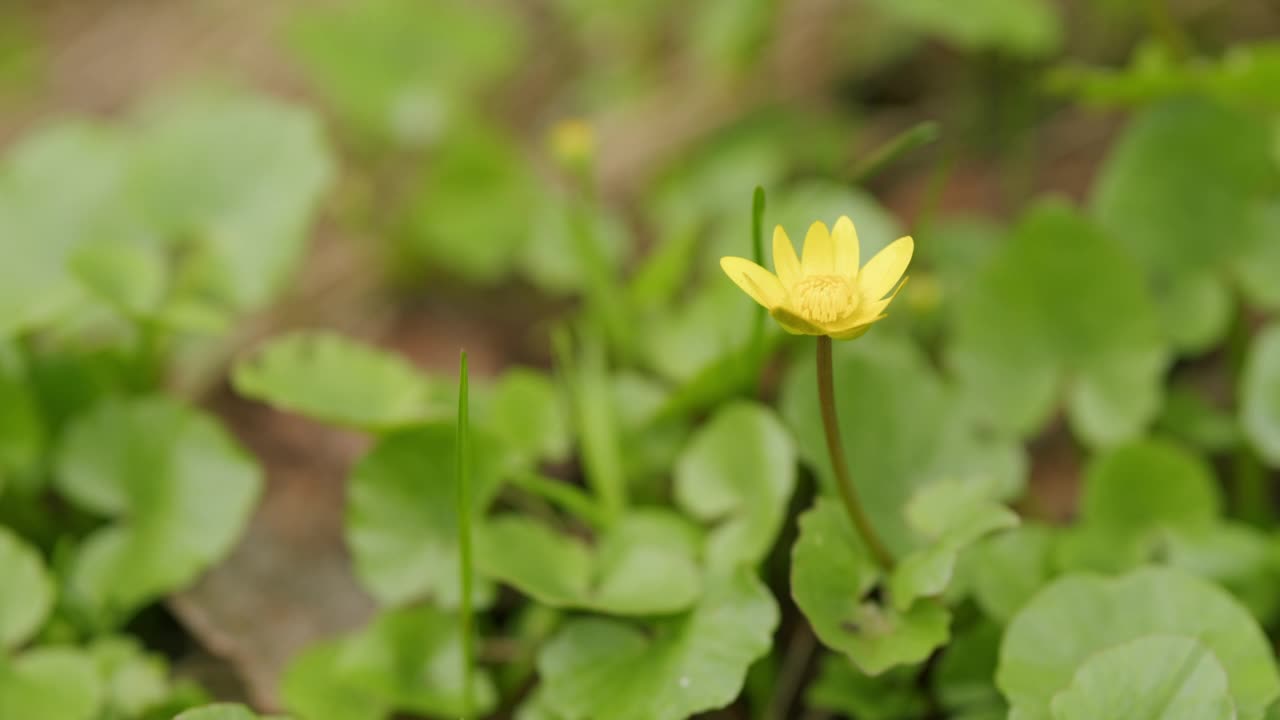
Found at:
<point>902,427</point>
<point>336,379</point>
<point>738,470</point>
<point>400,70</point>
<point>1079,616</point>
<point>26,594</point>
<point>50,683</point>
<point>842,688</point>
<point>1149,485</point>
<point>402,525</point>
<point>1188,216</point>
<point>221,711</point>
<point>1027,329</point>
<point>133,681</point>
<point>644,565</point>
<point>1162,677</point>
<point>1259,395</point>
<point>1018,27</point>
<point>1009,568</point>
<point>693,663</point>
<point>962,679</point>
<point>832,576</point>
<point>22,429</point>
<point>407,660</point>
<point>178,487</point>
<point>525,411</point>
<point>241,176</point>
<point>950,516</point>
<point>60,187</point>
<point>1191,418</point>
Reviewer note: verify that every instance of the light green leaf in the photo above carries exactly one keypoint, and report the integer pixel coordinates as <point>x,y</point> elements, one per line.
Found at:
<point>1079,616</point>
<point>1019,27</point>
<point>1259,394</point>
<point>336,379</point>
<point>1148,485</point>
<point>902,427</point>
<point>50,683</point>
<point>840,687</point>
<point>1028,328</point>
<point>407,660</point>
<point>1010,567</point>
<point>950,516</point>
<point>221,711</point>
<point>178,487</point>
<point>402,525</point>
<point>644,565</point>
<point>1160,677</point>
<point>525,411</point>
<point>133,681</point>
<point>22,430</point>
<point>832,575</point>
<point>738,470</point>
<point>963,678</point>
<point>399,70</point>
<point>26,595</point>
<point>1188,216</point>
<point>596,668</point>
<point>60,187</point>
<point>241,176</point>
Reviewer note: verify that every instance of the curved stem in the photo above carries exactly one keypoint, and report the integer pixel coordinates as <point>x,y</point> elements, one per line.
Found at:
<point>844,483</point>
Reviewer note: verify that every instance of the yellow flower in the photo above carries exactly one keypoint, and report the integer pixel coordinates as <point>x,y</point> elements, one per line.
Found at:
<point>824,292</point>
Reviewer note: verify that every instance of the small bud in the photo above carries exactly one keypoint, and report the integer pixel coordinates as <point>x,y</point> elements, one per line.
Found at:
<point>573,142</point>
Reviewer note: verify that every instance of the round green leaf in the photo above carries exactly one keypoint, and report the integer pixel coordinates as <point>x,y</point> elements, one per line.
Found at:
<point>407,660</point>
<point>1010,567</point>
<point>1079,616</point>
<point>597,668</point>
<point>644,565</point>
<point>49,683</point>
<point>179,488</point>
<point>1030,327</point>
<point>1149,485</point>
<point>901,427</point>
<point>1159,677</point>
<point>738,470</point>
<point>336,379</point>
<point>1259,394</point>
<point>1187,216</point>
<point>832,574</point>
<point>26,594</point>
<point>133,681</point>
<point>241,175</point>
<point>402,523</point>
<point>525,411</point>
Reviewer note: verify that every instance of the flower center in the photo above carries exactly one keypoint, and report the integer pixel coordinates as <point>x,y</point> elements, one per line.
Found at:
<point>824,298</point>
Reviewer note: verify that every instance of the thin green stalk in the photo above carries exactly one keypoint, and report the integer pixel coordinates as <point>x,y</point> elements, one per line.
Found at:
<point>756,350</point>
<point>462,463</point>
<point>593,415</point>
<point>844,483</point>
<point>565,495</point>
<point>904,142</point>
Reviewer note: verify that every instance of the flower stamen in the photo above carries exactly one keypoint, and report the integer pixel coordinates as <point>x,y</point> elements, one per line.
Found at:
<point>824,298</point>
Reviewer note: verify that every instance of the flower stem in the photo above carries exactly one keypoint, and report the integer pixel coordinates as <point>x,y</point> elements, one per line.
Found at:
<point>462,462</point>
<point>844,483</point>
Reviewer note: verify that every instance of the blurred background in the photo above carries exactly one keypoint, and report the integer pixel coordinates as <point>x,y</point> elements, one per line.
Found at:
<point>432,175</point>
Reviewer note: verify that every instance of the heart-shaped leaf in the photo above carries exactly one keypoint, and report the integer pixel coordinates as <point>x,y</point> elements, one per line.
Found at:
<point>26,594</point>
<point>402,523</point>
<point>739,470</point>
<point>644,565</point>
<point>1167,677</point>
<point>832,576</point>
<point>683,666</point>
<point>407,660</point>
<point>50,683</point>
<point>1079,616</point>
<point>178,486</point>
<point>339,380</point>
<point>1027,330</point>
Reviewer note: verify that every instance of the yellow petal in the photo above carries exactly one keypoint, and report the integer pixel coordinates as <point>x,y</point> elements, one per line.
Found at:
<point>785,262</point>
<point>793,323</point>
<point>867,314</point>
<point>884,270</point>
<point>855,331</point>
<point>760,284</point>
<point>819,255</point>
<point>845,238</point>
